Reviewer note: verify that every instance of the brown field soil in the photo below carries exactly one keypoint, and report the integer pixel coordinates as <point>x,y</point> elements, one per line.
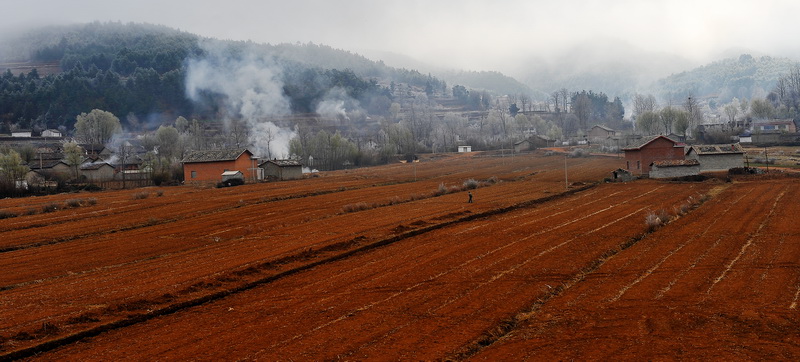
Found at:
<point>722,283</point>
<point>373,264</point>
<point>122,256</point>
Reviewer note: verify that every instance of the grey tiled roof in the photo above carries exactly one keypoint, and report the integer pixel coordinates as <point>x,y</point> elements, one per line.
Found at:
<point>214,155</point>
<point>284,163</point>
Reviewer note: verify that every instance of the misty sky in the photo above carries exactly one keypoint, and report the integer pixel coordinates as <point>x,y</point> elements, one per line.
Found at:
<point>477,35</point>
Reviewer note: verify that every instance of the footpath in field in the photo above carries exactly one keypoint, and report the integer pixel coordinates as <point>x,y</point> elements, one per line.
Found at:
<point>423,297</point>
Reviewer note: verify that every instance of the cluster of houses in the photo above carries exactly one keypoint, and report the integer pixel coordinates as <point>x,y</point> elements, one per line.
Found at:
<point>213,166</point>
<point>664,157</point>
<point>99,164</point>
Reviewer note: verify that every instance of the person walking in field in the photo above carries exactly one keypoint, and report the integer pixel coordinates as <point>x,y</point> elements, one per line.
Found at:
<point>470,196</point>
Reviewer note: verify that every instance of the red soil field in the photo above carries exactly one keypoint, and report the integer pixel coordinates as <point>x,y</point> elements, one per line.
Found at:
<point>373,264</point>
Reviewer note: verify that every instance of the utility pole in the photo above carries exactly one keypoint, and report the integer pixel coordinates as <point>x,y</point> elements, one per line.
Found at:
<point>566,182</point>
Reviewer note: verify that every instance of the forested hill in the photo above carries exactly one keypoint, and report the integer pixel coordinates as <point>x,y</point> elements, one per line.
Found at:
<point>138,72</point>
<point>744,77</point>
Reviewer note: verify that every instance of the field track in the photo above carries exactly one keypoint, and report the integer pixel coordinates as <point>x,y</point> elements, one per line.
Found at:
<point>294,270</point>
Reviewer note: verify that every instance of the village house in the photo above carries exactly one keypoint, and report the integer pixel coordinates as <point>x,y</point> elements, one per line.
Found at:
<point>283,169</point>
<point>96,172</point>
<point>51,169</point>
<point>208,166</point>
<point>531,143</point>
<point>464,149</point>
<point>639,158</point>
<point>51,133</point>
<point>775,126</point>
<point>96,150</point>
<point>600,133</point>
<point>717,157</point>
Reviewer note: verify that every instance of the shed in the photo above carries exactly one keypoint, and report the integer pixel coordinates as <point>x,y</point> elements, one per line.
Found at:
<point>622,175</point>
<point>283,169</point>
<point>231,175</point>
<point>659,148</point>
<point>674,168</point>
<point>717,157</point>
<point>464,148</point>
<point>208,166</point>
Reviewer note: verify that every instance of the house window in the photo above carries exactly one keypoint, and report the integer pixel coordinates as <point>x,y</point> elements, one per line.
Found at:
<point>194,174</point>
<point>627,165</point>
<point>638,164</point>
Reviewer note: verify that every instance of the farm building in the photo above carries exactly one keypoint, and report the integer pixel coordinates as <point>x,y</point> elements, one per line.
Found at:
<point>717,157</point>
<point>283,169</point>
<point>208,166</point>
<point>97,172</point>
<point>674,168</point>
<point>639,158</point>
<point>464,148</point>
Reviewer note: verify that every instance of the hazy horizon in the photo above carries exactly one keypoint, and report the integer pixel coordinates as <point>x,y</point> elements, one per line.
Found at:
<point>467,34</point>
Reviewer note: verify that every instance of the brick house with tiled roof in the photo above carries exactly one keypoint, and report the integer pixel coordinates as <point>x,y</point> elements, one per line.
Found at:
<point>638,159</point>
<point>208,166</point>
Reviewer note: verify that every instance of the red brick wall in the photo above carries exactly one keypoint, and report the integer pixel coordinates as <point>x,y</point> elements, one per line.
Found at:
<point>638,161</point>
<point>211,172</point>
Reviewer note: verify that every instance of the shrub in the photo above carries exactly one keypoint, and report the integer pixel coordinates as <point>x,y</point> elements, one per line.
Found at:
<point>652,221</point>
<point>5,214</point>
<point>72,203</point>
<point>160,193</point>
<point>49,207</point>
<point>578,152</point>
<point>91,201</point>
<point>471,184</point>
<point>141,195</point>
<point>359,206</point>
<point>442,190</point>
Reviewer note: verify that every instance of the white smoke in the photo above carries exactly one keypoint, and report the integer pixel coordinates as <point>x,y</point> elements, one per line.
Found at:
<point>252,89</point>
<point>334,104</point>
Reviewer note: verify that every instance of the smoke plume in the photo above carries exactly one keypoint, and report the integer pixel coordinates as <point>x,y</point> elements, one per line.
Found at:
<point>251,88</point>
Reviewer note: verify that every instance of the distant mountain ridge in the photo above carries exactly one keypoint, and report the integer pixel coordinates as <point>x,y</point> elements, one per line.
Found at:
<point>609,66</point>
<point>744,77</point>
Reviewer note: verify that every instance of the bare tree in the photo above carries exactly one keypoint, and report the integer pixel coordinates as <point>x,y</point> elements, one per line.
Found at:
<point>564,100</point>
<point>695,113</point>
<point>555,98</point>
<point>644,103</point>
<point>731,111</point>
<point>582,109</point>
